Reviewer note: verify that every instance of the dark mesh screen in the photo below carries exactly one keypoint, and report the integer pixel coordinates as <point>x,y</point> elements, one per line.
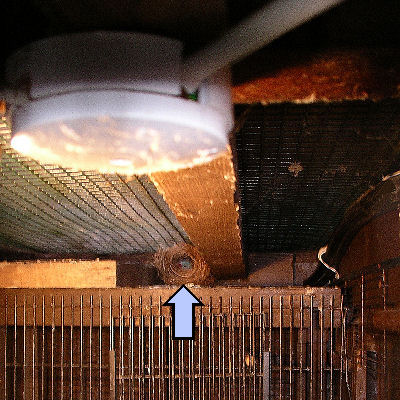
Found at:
<point>301,165</point>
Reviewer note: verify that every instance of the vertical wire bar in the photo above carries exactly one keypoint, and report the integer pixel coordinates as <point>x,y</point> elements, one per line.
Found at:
<point>261,341</point>
<point>384,332</point>
<point>100,347</point>
<point>111,325</point>
<point>5,345</point>
<point>223,349</point>
<point>62,347</point>
<point>71,372</point>
<point>212,346</point>
<point>209,348</point>
<point>271,322</point>
<point>111,352</point>
<point>301,345</point>
<point>151,349</point>
<point>52,344</point>
<point>172,360</point>
<point>34,349</point>
<point>90,346</point>
<point>244,370</point>
<point>190,362</point>
<point>169,356</point>
<point>140,347</point>
<point>253,349</point>
<point>141,351</point>
<point>24,348</point>
<point>130,352</point>
<point>242,348</point>
<point>161,385</point>
<point>232,386</point>
<point>121,382</point>
<point>81,348</point>
<point>159,349</point>
<point>331,302</point>
<point>291,347</point>
<point>266,357</point>
<point>321,344</point>
<point>201,355</point>
<point>181,370</point>
<point>362,319</point>
<point>311,347</point>
<point>219,345</point>
<point>342,344</point>
<point>43,343</point>
<point>280,347</point>
<point>15,346</point>
<point>192,347</point>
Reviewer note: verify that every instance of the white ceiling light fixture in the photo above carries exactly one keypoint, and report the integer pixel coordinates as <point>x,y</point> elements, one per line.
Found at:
<point>116,102</point>
<point>112,102</point>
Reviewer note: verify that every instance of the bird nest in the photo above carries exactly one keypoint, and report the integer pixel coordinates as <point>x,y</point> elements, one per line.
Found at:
<point>182,264</point>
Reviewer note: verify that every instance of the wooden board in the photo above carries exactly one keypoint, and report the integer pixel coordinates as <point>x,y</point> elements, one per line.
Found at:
<point>202,199</point>
<point>354,74</point>
<point>58,274</point>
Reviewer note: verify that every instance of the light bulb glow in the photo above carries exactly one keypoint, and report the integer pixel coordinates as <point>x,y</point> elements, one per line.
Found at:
<point>117,145</point>
<point>22,143</point>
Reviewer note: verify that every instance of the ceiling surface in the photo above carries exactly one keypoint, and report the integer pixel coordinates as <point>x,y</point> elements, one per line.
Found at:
<point>299,166</point>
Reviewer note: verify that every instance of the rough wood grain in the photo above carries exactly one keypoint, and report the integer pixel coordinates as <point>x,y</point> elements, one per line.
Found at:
<point>353,74</point>
<point>58,274</point>
<point>202,199</point>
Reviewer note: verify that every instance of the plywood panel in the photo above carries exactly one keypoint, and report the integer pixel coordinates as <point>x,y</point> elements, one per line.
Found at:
<point>202,199</point>
<point>58,274</point>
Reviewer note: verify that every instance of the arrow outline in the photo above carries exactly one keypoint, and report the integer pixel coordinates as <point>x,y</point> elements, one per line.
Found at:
<point>173,305</point>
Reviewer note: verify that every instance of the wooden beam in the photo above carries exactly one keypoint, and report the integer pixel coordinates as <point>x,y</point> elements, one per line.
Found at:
<point>354,74</point>
<point>387,320</point>
<point>202,199</point>
<point>58,274</point>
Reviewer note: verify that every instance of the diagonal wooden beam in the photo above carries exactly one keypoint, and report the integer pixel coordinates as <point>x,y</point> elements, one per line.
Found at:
<point>202,199</point>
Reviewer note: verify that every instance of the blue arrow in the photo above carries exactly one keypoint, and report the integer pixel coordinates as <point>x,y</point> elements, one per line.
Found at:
<point>183,302</point>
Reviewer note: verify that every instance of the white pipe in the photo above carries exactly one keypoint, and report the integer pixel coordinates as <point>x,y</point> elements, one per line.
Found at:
<point>266,25</point>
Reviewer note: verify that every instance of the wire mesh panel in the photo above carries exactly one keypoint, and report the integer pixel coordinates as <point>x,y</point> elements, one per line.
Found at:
<point>300,166</point>
<point>373,338</point>
<point>54,210</point>
<point>117,344</point>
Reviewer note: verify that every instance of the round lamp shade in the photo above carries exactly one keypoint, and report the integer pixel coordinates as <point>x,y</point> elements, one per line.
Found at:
<point>115,105</point>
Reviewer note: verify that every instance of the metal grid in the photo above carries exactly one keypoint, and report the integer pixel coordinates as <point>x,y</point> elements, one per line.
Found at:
<point>301,165</point>
<point>49,209</point>
<point>375,354</point>
<point>109,344</point>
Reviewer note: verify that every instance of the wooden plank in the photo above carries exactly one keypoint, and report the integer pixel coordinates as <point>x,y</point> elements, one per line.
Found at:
<point>202,199</point>
<point>58,274</point>
<point>328,76</point>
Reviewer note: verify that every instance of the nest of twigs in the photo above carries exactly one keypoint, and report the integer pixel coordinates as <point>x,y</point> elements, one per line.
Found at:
<point>182,264</point>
